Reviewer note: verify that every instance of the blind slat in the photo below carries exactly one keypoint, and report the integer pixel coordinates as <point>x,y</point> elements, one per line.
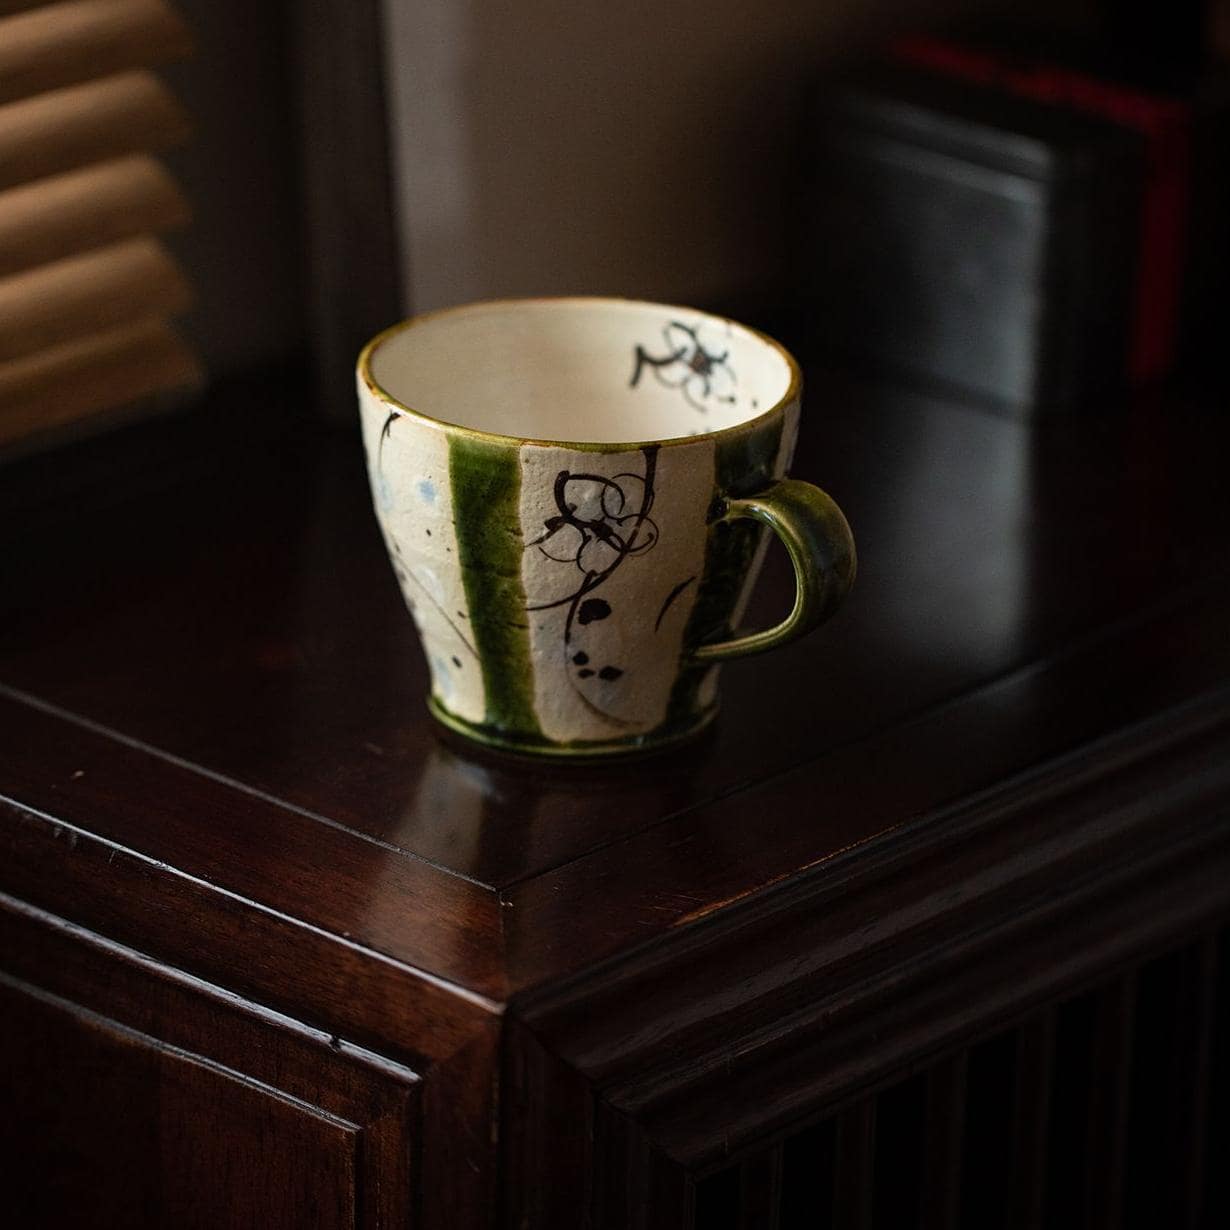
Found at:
<point>63,384</point>
<point>129,113</point>
<point>86,294</point>
<point>21,6</point>
<point>102,204</point>
<point>86,288</point>
<point>82,40</point>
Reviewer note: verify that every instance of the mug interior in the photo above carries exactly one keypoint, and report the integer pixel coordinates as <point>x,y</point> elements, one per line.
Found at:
<point>604,371</point>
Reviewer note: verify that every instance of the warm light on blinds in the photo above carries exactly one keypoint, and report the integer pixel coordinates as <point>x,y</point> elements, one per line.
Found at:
<point>87,289</point>
<point>64,214</point>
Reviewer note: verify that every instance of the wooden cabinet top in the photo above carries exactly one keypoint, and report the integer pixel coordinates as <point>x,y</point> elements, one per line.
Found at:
<point>992,778</point>
<point>206,665</point>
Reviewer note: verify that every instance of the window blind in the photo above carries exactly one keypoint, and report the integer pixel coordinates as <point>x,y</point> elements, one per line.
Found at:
<point>88,289</point>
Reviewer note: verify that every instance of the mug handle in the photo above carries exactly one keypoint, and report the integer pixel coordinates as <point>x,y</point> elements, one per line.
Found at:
<point>817,538</point>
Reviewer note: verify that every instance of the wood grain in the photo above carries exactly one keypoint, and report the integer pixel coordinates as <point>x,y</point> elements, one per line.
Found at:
<point>999,780</point>
<point>252,1116</point>
<point>811,821</point>
<point>69,780</point>
<point>658,1036</point>
<point>1014,582</point>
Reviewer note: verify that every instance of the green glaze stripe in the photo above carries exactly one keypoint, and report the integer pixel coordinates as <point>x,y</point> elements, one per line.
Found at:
<point>486,487</point>
<point>743,465</point>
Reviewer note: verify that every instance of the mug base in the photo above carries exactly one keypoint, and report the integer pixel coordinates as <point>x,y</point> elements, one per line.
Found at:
<point>580,749</point>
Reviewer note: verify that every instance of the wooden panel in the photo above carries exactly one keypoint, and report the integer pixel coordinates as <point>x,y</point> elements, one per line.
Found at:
<point>963,1142</point>
<point>705,951</point>
<point>325,971</point>
<point>1170,1089</point>
<point>1015,846</point>
<point>987,1145</point>
<point>760,1191</point>
<point>374,889</point>
<point>144,1136</point>
<point>89,1096</point>
<point>755,1098</point>
<point>79,40</point>
<point>854,1172</point>
<point>1031,1115</point>
<point>1199,1042</point>
<point>908,1118</point>
<point>159,1100</point>
<point>700,1050</point>
<point>1215,1198</point>
<point>1106,1151</point>
<point>238,943</point>
<point>717,1201</point>
<point>533,1076</point>
<point>943,1141</point>
<point>811,820</point>
<point>808,1159</point>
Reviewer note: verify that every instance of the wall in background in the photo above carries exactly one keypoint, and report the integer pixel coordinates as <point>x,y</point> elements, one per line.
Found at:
<point>552,147</point>
<point>539,148</point>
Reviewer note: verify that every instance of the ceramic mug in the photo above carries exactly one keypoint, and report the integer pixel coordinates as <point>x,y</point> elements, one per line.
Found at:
<point>573,494</point>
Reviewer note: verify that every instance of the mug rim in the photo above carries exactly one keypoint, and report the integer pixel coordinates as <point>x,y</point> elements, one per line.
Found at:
<point>363,367</point>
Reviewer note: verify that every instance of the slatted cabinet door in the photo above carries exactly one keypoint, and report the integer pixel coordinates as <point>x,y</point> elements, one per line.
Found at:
<point>136,1096</point>
<point>1096,1113</point>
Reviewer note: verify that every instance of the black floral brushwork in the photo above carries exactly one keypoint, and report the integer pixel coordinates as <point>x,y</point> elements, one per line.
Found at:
<point>384,435</point>
<point>704,375</point>
<point>402,570</point>
<point>670,598</point>
<point>404,573</point>
<point>599,523</point>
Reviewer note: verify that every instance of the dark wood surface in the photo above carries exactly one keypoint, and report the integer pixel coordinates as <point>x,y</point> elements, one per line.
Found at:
<point>205,1086</point>
<point>248,623</point>
<point>1014,739</point>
